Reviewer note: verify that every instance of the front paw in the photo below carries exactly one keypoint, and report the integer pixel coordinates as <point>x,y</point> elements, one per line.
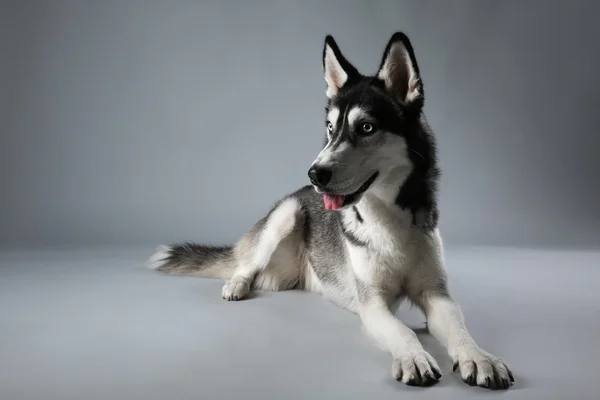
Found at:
<point>235,289</point>
<point>478,367</point>
<point>416,368</point>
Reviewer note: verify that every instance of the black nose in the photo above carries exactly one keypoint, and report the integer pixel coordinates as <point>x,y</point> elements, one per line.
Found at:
<point>319,176</point>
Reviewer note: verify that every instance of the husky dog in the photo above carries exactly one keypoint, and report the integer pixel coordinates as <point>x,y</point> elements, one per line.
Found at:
<point>365,233</point>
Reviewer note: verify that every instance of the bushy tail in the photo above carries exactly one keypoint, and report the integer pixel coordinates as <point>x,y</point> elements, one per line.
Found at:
<point>193,259</point>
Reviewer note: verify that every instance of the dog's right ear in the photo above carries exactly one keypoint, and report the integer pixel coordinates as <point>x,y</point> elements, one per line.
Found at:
<point>338,71</point>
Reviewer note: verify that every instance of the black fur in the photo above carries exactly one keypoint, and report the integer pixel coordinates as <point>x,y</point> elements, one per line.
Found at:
<point>353,74</point>
<point>186,257</point>
<point>351,237</point>
<point>358,216</point>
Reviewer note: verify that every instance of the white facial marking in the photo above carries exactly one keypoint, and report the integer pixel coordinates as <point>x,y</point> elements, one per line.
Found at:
<point>333,116</point>
<point>354,114</point>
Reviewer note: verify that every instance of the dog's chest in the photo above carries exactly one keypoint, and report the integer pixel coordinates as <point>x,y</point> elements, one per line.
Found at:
<point>383,256</point>
<point>384,230</point>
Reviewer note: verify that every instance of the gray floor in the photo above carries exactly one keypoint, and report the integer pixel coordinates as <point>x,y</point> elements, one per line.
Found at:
<point>95,324</point>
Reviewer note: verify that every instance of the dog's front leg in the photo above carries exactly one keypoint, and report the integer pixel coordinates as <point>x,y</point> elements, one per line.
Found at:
<point>412,364</point>
<point>446,323</point>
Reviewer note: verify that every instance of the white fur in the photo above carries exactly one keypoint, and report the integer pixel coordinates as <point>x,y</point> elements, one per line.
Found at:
<point>399,340</point>
<point>447,325</point>
<point>398,57</point>
<point>160,254</point>
<point>354,114</point>
<point>324,155</point>
<point>280,224</point>
<point>335,76</point>
<point>374,266</point>
<point>311,280</point>
<point>235,288</point>
<point>333,115</point>
<point>267,251</point>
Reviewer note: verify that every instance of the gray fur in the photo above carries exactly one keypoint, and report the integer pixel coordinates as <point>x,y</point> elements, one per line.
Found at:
<point>195,259</point>
<point>381,246</point>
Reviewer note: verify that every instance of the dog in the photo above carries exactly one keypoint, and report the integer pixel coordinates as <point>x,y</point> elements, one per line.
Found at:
<point>364,233</point>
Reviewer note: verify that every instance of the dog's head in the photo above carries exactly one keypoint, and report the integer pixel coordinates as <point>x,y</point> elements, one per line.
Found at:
<point>373,127</point>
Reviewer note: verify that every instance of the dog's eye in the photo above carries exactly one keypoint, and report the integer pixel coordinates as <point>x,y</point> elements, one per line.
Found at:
<point>329,126</point>
<point>367,128</point>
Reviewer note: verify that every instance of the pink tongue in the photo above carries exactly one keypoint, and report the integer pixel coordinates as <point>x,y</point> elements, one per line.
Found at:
<point>333,201</point>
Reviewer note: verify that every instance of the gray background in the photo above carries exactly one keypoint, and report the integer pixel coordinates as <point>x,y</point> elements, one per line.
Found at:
<point>144,122</point>
<point>137,122</point>
<point>93,325</point>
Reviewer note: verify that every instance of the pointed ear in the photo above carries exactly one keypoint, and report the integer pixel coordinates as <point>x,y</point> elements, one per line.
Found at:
<point>400,72</point>
<point>338,71</point>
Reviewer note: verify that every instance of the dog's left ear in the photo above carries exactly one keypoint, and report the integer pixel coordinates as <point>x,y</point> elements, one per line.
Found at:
<point>400,72</point>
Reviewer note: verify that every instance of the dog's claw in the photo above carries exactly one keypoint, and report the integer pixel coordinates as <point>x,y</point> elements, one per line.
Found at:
<point>479,368</point>
<point>399,376</point>
<point>430,380</point>
<point>416,369</point>
<point>489,383</point>
<point>235,290</point>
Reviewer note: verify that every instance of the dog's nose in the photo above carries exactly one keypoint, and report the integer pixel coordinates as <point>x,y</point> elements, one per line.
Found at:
<point>319,176</point>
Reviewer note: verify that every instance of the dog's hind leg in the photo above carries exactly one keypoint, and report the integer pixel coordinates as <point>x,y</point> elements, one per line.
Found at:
<point>268,255</point>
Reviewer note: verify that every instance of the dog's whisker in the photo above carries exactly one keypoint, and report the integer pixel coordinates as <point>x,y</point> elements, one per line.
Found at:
<point>414,151</point>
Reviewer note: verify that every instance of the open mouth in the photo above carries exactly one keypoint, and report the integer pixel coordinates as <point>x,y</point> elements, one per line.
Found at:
<point>337,201</point>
